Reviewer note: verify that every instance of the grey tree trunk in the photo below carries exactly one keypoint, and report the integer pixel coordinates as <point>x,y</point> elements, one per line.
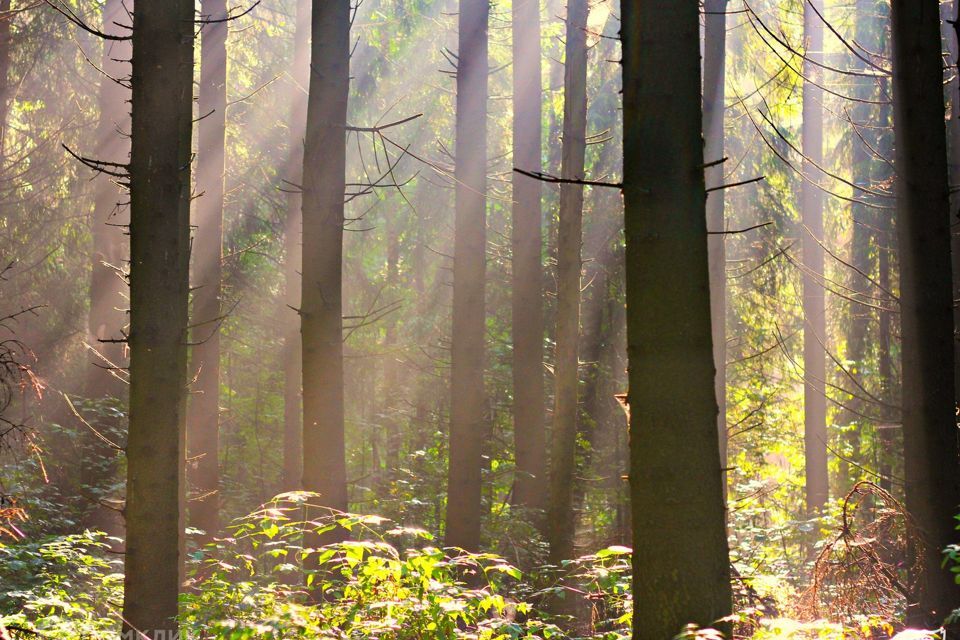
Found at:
<point>530,483</point>
<point>675,508</point>
<point>203,418</point>
<point>321,312</point>
<point>162,123</point>
<point>467,405</point>
<point>293,255</point>
<point>926,303</point>
<point>814,312</point>
<point>107,287</point>
<point>714,98</point>
<point>563,447</point>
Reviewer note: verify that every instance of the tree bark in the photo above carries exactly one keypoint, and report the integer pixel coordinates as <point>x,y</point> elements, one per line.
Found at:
<point>714,107</point>
<point>321,312</point>
<point>293,255</point>
<point>162,123</point>
<point>467,405</point>
<point>953,89</point>
<point>107,304</point>
<point>675,472</point>
<point>929,422</point>
<point>862,237</point>
<point>562,524</point>
<point>814,312</point>
<point>530,483</point>
<point>203,418</point>
<point>6,82</point>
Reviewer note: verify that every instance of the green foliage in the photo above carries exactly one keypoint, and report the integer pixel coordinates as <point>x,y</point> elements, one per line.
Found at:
<point>385,582</point>
<point>63,587</point>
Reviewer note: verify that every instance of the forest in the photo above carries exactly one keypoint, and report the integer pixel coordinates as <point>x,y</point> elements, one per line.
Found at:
<point>479,319</point>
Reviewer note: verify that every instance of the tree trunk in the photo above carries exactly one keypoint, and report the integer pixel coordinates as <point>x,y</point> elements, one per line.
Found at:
<point>203,419</point>
<point>675,472</point>
<point>107,304</point>
<point>392,374</point>
<point>953,89</point>
<point>6,82</point>
<point>530,484</point>
<point>923,224</point>
<point>162,123</point>
<point>814,313</point>
<point>563,450</point>
<point>467,410</point>
<point>292,369</point>
<point>862,223</point>
<point>321,313</point>
<point>714,107</point>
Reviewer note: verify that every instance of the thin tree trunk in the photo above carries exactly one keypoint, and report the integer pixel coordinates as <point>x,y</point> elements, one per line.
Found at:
<point>159,291</point>
<point>292,350</point>
<point>6,82</point>
<point>714,97</point>
<point>107,304</point>
<point>862,219</point>
<point>814,313</point>
<point>561,523</point>
<point>675,507</point>
<point>467,406</point>
<point>886,254</point>
<point>929,422</point>
<point>321,313</point>
<point>203,418</point>
<point>530,484</point>
<point>391,373</point>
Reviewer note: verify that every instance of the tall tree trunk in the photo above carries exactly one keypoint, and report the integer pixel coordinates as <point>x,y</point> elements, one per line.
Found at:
<point>675,507</point>
<point>467,406</point>
<point>292,369</point>
<point>162,123</point>
<point>563,449</point>
<point>862,223</point>
<point>392,374</point>
<point>107,304</point>
<point>6,82</point>
<point>203,418</point>
<point>321,313</point>
<point>714,98</point>
<point>929,422</point>
<point>953,89</point>
<point>814,313</point>
<point>886,253</point>
<point>530,484</point>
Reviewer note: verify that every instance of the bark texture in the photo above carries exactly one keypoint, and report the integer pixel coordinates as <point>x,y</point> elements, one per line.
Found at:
<point>675,473</point>
<point>530,485</point>
<point>159,290</point>
<point>714,98</point>
<point>293,255</point>
<point>929,422</point>
<point>467,403</point>
<point>107,286</point>
<point>321,311</point>
<point>203,418</point>
<point>814,312</point>
<point>561,521</point>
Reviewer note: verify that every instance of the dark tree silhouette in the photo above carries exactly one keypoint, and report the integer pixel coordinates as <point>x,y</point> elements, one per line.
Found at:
<point>926,304</point>
<point>162,123</point>
<point>675,473</point>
